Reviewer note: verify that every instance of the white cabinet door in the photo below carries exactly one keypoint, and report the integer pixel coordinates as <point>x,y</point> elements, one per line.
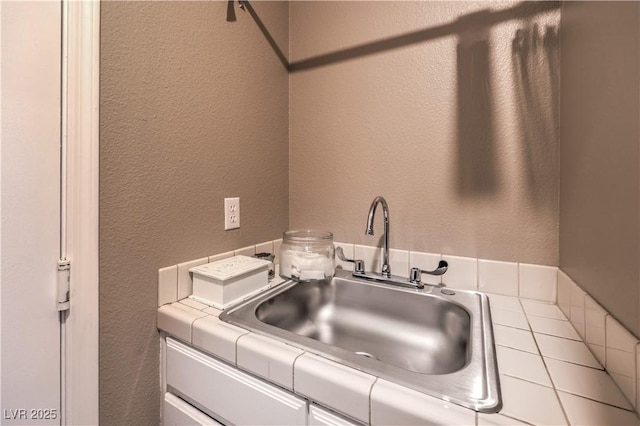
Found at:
<point>176,412</point>
<point>235,397</point>
<point>30,211</point>
<point>319,416</point>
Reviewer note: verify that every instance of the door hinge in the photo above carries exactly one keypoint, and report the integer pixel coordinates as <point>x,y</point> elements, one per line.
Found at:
<point>64,284</point>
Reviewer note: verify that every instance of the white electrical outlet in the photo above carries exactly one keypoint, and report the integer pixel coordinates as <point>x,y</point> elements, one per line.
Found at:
<point>231,213</point>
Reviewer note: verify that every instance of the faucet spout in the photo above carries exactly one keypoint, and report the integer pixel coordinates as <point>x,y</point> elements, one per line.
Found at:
<point>386,268</point>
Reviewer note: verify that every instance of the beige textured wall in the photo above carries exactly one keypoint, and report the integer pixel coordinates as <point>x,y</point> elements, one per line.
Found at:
<point>456,124</point>
<point>600,152</point>
<point>193,109</point>
<point>457,131</point>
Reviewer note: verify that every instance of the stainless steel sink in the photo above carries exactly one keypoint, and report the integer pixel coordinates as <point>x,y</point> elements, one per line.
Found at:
<point>435,340</point>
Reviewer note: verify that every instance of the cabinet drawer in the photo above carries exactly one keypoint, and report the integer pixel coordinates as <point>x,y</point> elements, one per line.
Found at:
<point>176,412</point>
<point>319,416</point>
<point>229,394</point>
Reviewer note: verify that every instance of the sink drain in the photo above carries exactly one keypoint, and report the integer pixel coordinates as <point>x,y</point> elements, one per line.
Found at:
<point>367,354</point>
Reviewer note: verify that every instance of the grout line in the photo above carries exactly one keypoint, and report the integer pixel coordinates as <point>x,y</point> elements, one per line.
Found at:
<point>635,384</point>
<point>564,412</point>
<point>584,315</point>
<point>191,326</point>
<point>547,356</point>
<point>518,285</point>
<point>550,357</point>
<point>582,340</point>
<point>541,302</point>
<point>514,348</point>
<point>369,398</point>
<point>548,317</point>
<point>509,326</point>
<point>526,380</point>
<point>585,294</point>
<point>493,308</point>
<point>559,337</point>
<point>574,362</point>
<point>293,371</point>
<point>606,339</point>
<point>520,350</point>
<point>235,347</point>
<point>513,418</point>
<point>600,402</point>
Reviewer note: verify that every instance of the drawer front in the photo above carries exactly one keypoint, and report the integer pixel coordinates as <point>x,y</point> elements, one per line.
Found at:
<point>233,396</point>
<point>176,412</point>
<point>319,416</point>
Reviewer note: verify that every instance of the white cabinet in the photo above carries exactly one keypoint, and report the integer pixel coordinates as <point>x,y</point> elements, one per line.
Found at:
<point>227,393</point>
<point>176,412</point>
<point>319,416</point>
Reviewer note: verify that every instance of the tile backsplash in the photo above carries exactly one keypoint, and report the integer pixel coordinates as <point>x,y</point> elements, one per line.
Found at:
<point>613,346</point>
<point>538,282</point>
<point>498,277</point>
<point>176,282</point>
<point>535,282</point>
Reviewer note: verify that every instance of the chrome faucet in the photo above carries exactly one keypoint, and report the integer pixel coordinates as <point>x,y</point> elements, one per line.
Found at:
<point>386,268</point>
<point>414,280</point>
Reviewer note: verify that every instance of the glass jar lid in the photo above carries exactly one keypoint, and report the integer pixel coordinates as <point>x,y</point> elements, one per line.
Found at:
<point>308,236</point>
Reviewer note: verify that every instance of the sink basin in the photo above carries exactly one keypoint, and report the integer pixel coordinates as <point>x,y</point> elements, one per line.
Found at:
<point>394,327</point>
<point>435,340</point>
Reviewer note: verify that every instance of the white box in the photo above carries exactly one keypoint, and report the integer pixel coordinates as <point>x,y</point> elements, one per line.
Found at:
<point>222,283</point>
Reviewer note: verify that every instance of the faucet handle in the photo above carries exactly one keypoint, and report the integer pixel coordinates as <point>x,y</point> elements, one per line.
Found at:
<point>416,273</point>
<point>358,263</point>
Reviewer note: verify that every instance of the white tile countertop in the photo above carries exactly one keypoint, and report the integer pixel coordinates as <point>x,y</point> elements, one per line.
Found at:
<point>548,375</point>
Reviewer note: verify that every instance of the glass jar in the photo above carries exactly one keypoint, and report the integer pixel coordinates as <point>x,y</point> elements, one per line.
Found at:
<point>307,255</point>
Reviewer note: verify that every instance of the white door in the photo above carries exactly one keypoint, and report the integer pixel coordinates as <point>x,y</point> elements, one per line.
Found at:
<point>30,211</point>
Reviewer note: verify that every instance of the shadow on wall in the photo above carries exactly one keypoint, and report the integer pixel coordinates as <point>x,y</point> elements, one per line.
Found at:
<point>535,68</point>
<point>536,74</point>
<point>231,11</point>
<point>245,5</point>
<point>475,135</point>
<point>522,10</point>
<point>536,80</point>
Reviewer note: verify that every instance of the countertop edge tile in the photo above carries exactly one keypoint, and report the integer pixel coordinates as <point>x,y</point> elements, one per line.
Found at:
<point>177,319</point>
<point>396,404</point>
<point>267,358</point>
<point>217,338</point>
<point>344,389</point>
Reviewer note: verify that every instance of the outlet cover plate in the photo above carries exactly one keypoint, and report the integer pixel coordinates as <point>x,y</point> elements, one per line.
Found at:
<point>231,213</point>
